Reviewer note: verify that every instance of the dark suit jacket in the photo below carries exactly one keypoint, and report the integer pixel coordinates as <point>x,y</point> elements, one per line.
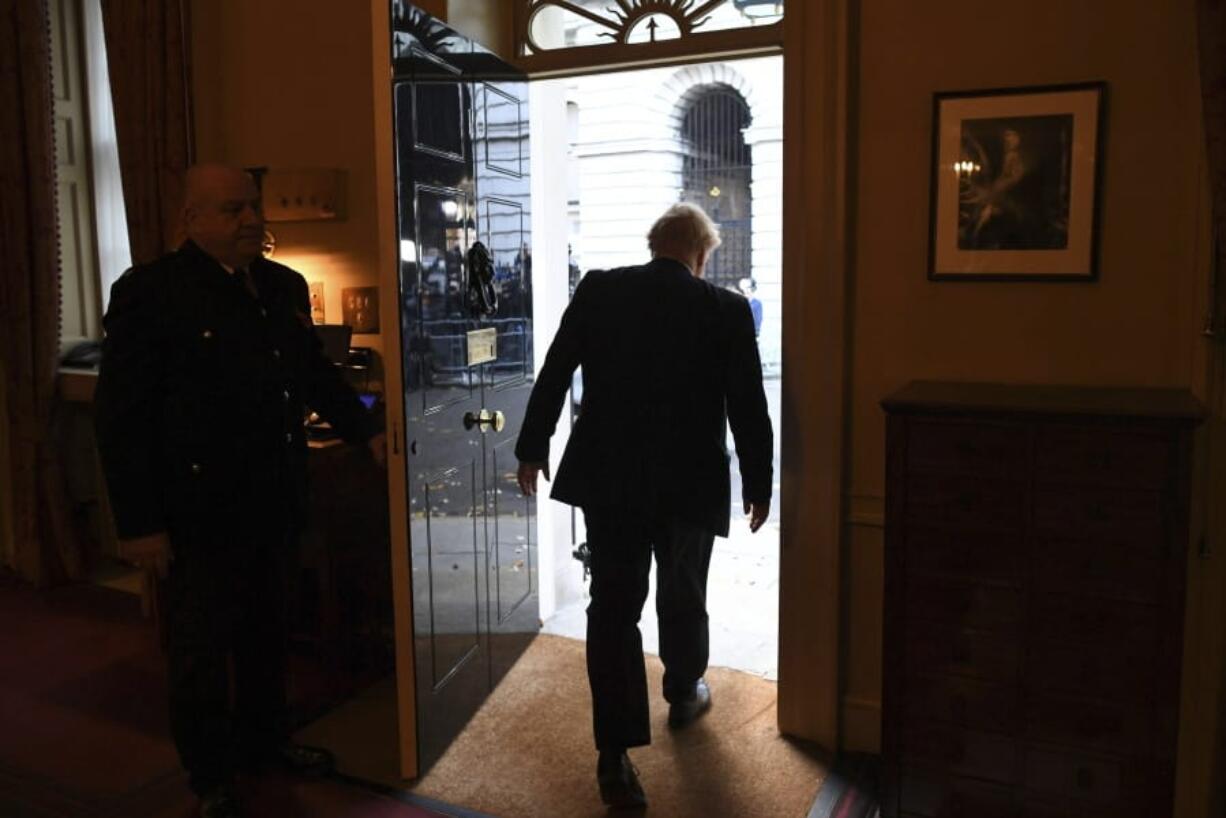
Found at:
<point>668,360</point>
<point>200,399</point>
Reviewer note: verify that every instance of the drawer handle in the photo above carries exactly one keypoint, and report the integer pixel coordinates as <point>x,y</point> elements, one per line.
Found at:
<point>1085,778</point>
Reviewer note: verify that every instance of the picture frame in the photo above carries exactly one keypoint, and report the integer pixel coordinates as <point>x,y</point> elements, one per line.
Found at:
<point>360,309</point>
<point>1016,177</point>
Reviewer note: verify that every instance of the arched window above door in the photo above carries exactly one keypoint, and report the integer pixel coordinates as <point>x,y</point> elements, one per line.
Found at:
<point>565,35</point>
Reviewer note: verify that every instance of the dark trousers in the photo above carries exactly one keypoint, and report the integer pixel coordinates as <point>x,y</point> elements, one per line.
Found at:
<point>622,542</point>
<point>225,621</point>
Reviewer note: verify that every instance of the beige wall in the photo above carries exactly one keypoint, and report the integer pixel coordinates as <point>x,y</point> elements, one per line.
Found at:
<point>288,85</point>
<point>1137,325</point>
<point>489,23</point>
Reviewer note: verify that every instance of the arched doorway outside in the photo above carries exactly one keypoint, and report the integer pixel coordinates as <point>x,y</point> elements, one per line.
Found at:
<point>716,175</point>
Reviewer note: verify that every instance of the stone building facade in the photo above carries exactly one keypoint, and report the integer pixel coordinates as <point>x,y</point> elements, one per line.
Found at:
<point>628,162</point>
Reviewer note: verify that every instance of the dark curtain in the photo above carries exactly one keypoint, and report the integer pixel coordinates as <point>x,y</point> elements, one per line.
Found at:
<point>1212,25</point>
<point>1212,29</point>
<point>30,292</point>
<point>147,52</point>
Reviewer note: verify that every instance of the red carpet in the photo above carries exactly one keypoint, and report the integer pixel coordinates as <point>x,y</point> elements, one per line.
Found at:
<point>83,723</point>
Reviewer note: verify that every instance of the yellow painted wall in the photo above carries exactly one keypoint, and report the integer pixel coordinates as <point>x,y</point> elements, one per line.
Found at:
<point>288,85</point>
<point>1137,325</point>
<point>489,23</point>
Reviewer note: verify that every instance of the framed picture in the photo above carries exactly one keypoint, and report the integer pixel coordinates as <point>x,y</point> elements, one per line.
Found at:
<point>1015,182</point>
<point>316,290</point>
<point>360,309</point>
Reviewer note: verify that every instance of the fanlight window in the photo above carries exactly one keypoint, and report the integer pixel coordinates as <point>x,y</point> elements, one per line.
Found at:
<point>554,25</point>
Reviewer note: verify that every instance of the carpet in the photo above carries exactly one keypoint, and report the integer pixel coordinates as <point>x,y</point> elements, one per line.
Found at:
<point>528,752</point>
<point>84,727</point>
<point>82,699</point>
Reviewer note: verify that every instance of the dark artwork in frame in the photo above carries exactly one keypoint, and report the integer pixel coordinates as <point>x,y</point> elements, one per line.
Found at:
<point>1015,181</point>
<point>1014,194</point>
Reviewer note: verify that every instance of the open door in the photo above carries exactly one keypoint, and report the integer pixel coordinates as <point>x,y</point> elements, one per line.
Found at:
<point>462,156</point>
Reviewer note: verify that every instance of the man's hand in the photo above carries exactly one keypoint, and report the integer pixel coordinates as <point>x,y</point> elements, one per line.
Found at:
<point>149,552</point>
<point>758,512</point>
<point>378,449</point>
<point>527,476</point>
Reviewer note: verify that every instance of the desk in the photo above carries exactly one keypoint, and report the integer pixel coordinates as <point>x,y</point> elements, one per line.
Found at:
<point>77,385</point>
<point>341,601</point>
<point>86,488</point>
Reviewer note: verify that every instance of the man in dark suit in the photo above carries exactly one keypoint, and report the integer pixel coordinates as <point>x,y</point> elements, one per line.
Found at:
<point>668,360</point>
<point>208,361</point>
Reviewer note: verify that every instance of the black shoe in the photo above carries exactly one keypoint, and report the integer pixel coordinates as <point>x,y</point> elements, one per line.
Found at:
<point>299,759</point>
<point>619,781</point>
<point>220,802</point>
<point>684,712</point>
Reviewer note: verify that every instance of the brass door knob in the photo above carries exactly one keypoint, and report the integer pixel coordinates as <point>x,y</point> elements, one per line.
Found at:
<point>485,419</point>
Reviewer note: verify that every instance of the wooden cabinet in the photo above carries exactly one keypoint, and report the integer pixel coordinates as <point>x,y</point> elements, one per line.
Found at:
<point>1036,542</point>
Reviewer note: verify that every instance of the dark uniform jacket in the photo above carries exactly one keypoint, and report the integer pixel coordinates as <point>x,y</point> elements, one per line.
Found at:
<point>200,399</point>
<point>668,360</point>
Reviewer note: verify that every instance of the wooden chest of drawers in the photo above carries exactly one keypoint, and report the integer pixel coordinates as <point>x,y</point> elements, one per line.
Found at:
<point>1036,544</point>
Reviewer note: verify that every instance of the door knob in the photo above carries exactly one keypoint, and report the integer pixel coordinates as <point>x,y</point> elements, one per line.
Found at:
<point>485,419</point>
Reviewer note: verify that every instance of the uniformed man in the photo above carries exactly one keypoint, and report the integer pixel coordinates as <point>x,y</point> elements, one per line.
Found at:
<point>208,361</point>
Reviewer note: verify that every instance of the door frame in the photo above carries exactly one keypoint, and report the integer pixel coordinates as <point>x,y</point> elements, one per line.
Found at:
<point>393,385</point>
<point>819,82</point>
<point>818,173</point>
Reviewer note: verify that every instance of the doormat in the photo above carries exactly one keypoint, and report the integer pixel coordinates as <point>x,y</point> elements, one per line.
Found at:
<point>529,751</point>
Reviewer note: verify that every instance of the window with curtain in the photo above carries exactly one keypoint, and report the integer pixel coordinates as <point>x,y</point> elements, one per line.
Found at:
<point>93,228</point>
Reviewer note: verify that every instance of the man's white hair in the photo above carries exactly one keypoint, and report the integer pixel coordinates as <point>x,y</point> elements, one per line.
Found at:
<point>683,228</point>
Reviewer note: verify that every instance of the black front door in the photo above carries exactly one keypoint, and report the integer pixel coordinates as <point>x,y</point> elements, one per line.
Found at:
<point>462,179</point>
